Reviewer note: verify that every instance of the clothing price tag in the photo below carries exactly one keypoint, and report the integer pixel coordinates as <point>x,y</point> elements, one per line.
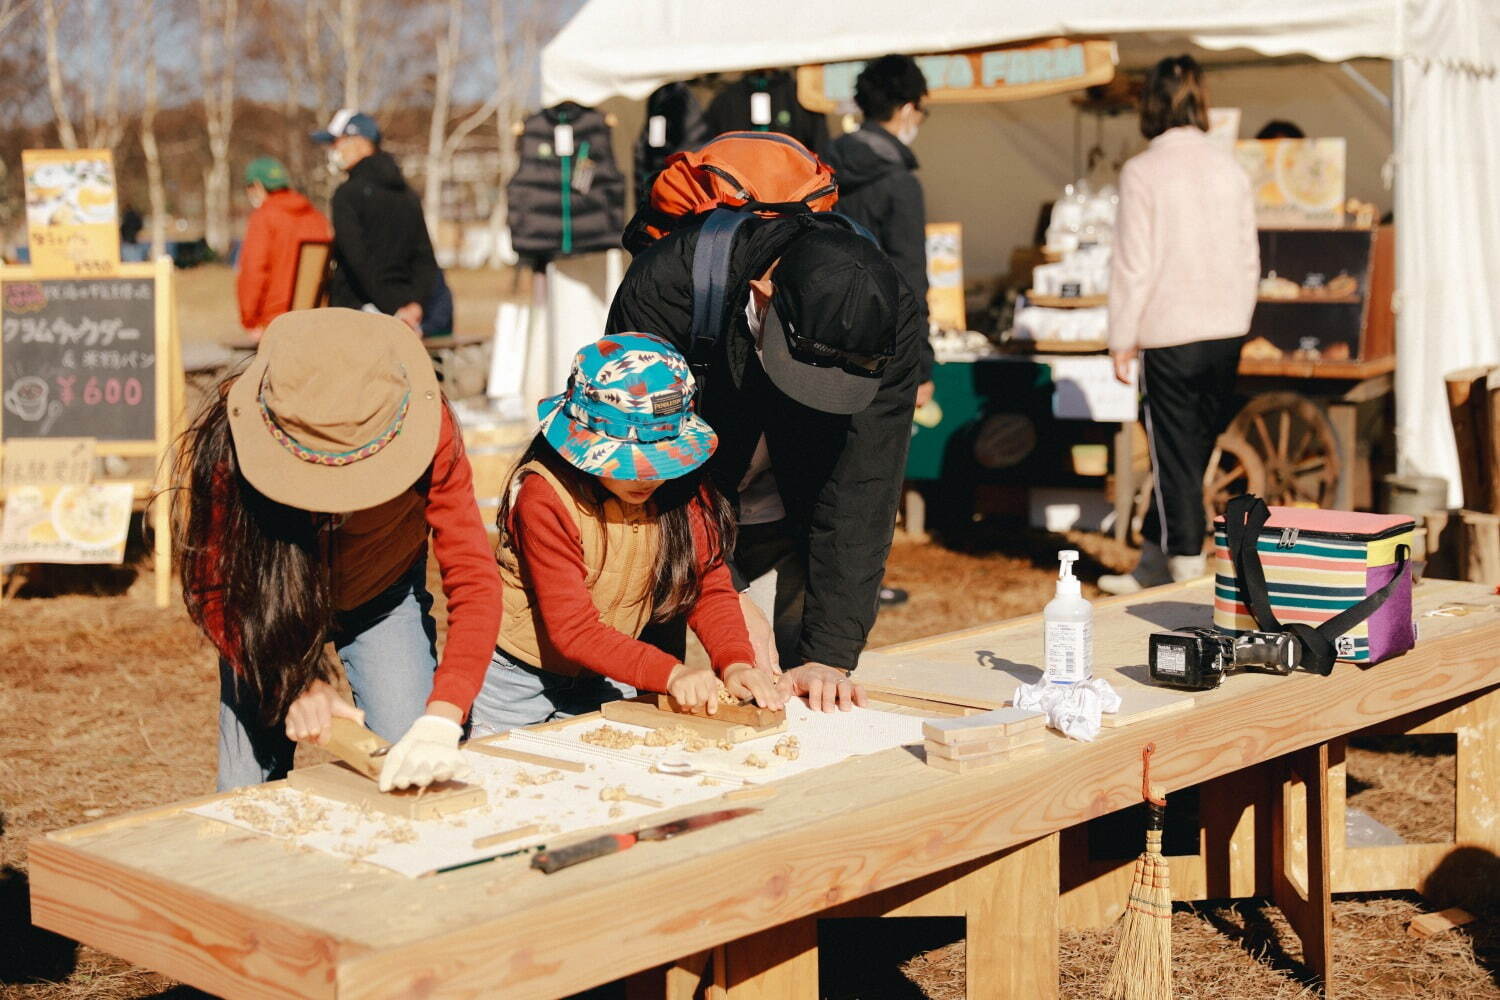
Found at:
<point>562,139</point>
<point>583,175</point>
<point>656,131</point>
<point>760,108</point>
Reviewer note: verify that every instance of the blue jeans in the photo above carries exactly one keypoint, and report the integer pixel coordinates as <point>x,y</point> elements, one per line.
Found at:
<point>388,648</point>
<point>518,694</point>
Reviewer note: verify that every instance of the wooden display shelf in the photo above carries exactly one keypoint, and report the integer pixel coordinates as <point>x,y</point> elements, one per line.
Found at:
<point>1021,346</point>
<point>1291,368</point>
<point>1066,302</point>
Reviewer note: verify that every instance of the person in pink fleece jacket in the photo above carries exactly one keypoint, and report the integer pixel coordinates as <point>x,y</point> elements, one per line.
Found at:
<point>1182,287</point>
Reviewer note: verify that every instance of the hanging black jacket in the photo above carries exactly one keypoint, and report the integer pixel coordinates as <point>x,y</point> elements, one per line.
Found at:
<point>685,127</point>
<point>840,478</point>
<point>381,250</point>
<point>729,111</point>
<point>550,216</point>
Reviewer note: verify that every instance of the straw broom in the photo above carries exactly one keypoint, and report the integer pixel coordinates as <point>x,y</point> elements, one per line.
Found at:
<point>1143,965</point>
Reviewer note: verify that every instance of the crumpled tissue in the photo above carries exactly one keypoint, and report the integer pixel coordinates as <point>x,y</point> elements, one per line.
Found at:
<point>1075,710</point>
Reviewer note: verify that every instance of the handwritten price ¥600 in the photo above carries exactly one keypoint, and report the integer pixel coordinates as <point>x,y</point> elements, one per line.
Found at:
<point>95,390</point>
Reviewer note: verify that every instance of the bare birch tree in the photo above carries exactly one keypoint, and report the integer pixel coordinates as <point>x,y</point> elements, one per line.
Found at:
<point>99,61</point>
<point>55,92</point>
<point>155,188</point>
<point>218,44</point>
<point>443,142</point>
<point>11,11</point>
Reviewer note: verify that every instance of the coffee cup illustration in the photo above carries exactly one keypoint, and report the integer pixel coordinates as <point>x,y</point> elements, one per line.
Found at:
<point>27,398</point>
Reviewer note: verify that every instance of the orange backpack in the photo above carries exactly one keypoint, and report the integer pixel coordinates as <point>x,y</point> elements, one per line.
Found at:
<point>767,173</point>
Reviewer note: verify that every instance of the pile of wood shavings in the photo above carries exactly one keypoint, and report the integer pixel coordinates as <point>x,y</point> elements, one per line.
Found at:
<point>279,815</point>
<point>613,793</point>
<point>789,747</point>
<point>756,760</point>
<point>679,734</point>
<point>612,738</point>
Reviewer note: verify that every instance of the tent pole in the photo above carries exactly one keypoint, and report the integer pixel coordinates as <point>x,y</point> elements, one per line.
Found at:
<point>1364,84</point>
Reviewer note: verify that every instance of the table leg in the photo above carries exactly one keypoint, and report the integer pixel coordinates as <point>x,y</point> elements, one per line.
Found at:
<point>1299,849</point>
<point>776,964</point>
<point>1012,910</point>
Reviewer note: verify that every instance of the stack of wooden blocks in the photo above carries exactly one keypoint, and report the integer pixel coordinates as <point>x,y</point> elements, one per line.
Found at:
<point>970,742</point>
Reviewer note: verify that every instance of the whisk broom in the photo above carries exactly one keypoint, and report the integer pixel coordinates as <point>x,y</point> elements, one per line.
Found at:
<point>1143,966</point>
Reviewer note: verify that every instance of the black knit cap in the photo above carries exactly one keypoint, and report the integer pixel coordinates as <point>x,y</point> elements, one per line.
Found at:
<point>836,288</point>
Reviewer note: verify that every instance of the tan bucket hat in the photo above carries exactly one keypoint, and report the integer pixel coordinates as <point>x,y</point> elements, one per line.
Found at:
<point>339,410</point>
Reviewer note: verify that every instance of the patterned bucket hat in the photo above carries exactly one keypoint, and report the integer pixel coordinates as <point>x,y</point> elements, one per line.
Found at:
<point>628,412</point>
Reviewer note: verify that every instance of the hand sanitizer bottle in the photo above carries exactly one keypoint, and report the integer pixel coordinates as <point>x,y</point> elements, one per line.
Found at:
<point>1068,623</point>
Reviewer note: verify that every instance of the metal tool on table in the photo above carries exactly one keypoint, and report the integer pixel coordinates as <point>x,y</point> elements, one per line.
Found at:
<point>555,860</point>
<point>1198,658</point>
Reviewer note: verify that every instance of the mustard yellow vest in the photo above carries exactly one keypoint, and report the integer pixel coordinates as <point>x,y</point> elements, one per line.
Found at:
<point>619,554</point>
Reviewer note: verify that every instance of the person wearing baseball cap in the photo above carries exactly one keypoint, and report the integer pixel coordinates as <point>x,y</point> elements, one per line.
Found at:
<point>314,483</point>
<point>606,527</point>
<point>382,253</point>
<point>811,386</point>
<point>281,220</point>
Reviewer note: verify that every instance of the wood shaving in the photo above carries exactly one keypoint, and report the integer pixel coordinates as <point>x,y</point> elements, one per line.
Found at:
<point>614,738</point>
<point>527,779</point>
<point>708,782</point>
<point>756,760</point>
<point>616,811</point>
<point>513,793</point>
<point>789,747</point>
<point>612,793</point>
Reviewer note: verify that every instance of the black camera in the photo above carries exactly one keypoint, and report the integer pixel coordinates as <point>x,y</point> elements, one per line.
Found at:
<point>1197,658</point>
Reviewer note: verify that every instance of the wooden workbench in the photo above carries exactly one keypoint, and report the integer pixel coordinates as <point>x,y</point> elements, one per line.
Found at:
<point>242,915</point>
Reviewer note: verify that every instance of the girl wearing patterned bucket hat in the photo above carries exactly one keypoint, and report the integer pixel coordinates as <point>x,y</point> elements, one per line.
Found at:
<point>311,486</point>
<point>606,528</point>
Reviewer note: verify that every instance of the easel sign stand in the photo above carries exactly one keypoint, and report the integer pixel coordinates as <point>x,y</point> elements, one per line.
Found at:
<point>75,363</point>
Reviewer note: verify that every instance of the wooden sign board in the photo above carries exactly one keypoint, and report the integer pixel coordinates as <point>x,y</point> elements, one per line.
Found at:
<point>97,358</point>
<point>945,275</point>
<point>1005,73</point>
<point>66,524</point>
<point>72,216</point>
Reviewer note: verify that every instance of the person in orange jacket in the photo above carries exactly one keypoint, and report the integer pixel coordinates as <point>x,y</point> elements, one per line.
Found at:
<point>283,219</point>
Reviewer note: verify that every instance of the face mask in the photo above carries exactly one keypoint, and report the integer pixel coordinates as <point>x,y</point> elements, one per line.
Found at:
<point>335,162</point>
<point>907,131</point>
<point>257,198</point>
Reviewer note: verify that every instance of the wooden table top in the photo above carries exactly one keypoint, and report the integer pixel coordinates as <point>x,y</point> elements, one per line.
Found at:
<point>244,915</point>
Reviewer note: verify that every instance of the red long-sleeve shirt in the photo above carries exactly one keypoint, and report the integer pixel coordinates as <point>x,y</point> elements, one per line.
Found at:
<point>367,564</point>
<point>550,551</point>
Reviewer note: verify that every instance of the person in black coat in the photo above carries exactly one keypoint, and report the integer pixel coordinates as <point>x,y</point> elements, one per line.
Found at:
<point>836,441</point>
<point>382,253</point>
<point>879,189</point>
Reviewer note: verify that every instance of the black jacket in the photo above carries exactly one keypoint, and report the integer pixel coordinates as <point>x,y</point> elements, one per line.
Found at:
<point>381,250</point>
<point>840,477</point>
<point>729,111</point>
<point>878,190</point>
<point>594,195</point>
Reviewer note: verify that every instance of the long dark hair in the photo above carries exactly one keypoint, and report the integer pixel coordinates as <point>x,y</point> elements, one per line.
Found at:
<point>260,558</point>
<point>1174,96</point>
<point>676,582</point>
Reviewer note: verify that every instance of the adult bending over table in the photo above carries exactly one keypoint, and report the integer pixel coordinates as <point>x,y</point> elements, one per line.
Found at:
<point>811,388</point>
<point>313,482</point>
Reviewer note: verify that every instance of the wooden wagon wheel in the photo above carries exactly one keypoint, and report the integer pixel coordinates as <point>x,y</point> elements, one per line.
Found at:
<point>1296,445</point>
<point>1233,468</point>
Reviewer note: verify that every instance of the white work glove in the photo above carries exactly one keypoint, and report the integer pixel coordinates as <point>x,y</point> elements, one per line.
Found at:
<point>427,753</point>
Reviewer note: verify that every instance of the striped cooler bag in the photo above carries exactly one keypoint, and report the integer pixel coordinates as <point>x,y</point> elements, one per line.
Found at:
<point>1339,582</point>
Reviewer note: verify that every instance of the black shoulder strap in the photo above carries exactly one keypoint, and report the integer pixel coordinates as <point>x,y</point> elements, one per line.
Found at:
<point>711,258</point>
<point>1243,520</point>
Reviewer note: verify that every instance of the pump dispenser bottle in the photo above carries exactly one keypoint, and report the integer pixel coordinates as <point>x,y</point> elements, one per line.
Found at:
<point>1068,624</point>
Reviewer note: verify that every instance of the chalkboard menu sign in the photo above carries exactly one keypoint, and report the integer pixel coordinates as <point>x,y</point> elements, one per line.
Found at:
<point>79,358</point>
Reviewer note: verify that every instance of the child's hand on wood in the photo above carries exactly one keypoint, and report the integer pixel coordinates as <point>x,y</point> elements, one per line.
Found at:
<point>694,686</point>
<point>311,715</point>
<point>747,683</point>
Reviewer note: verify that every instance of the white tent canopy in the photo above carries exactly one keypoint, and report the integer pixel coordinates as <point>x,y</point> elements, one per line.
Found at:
<point>1447,132</point>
